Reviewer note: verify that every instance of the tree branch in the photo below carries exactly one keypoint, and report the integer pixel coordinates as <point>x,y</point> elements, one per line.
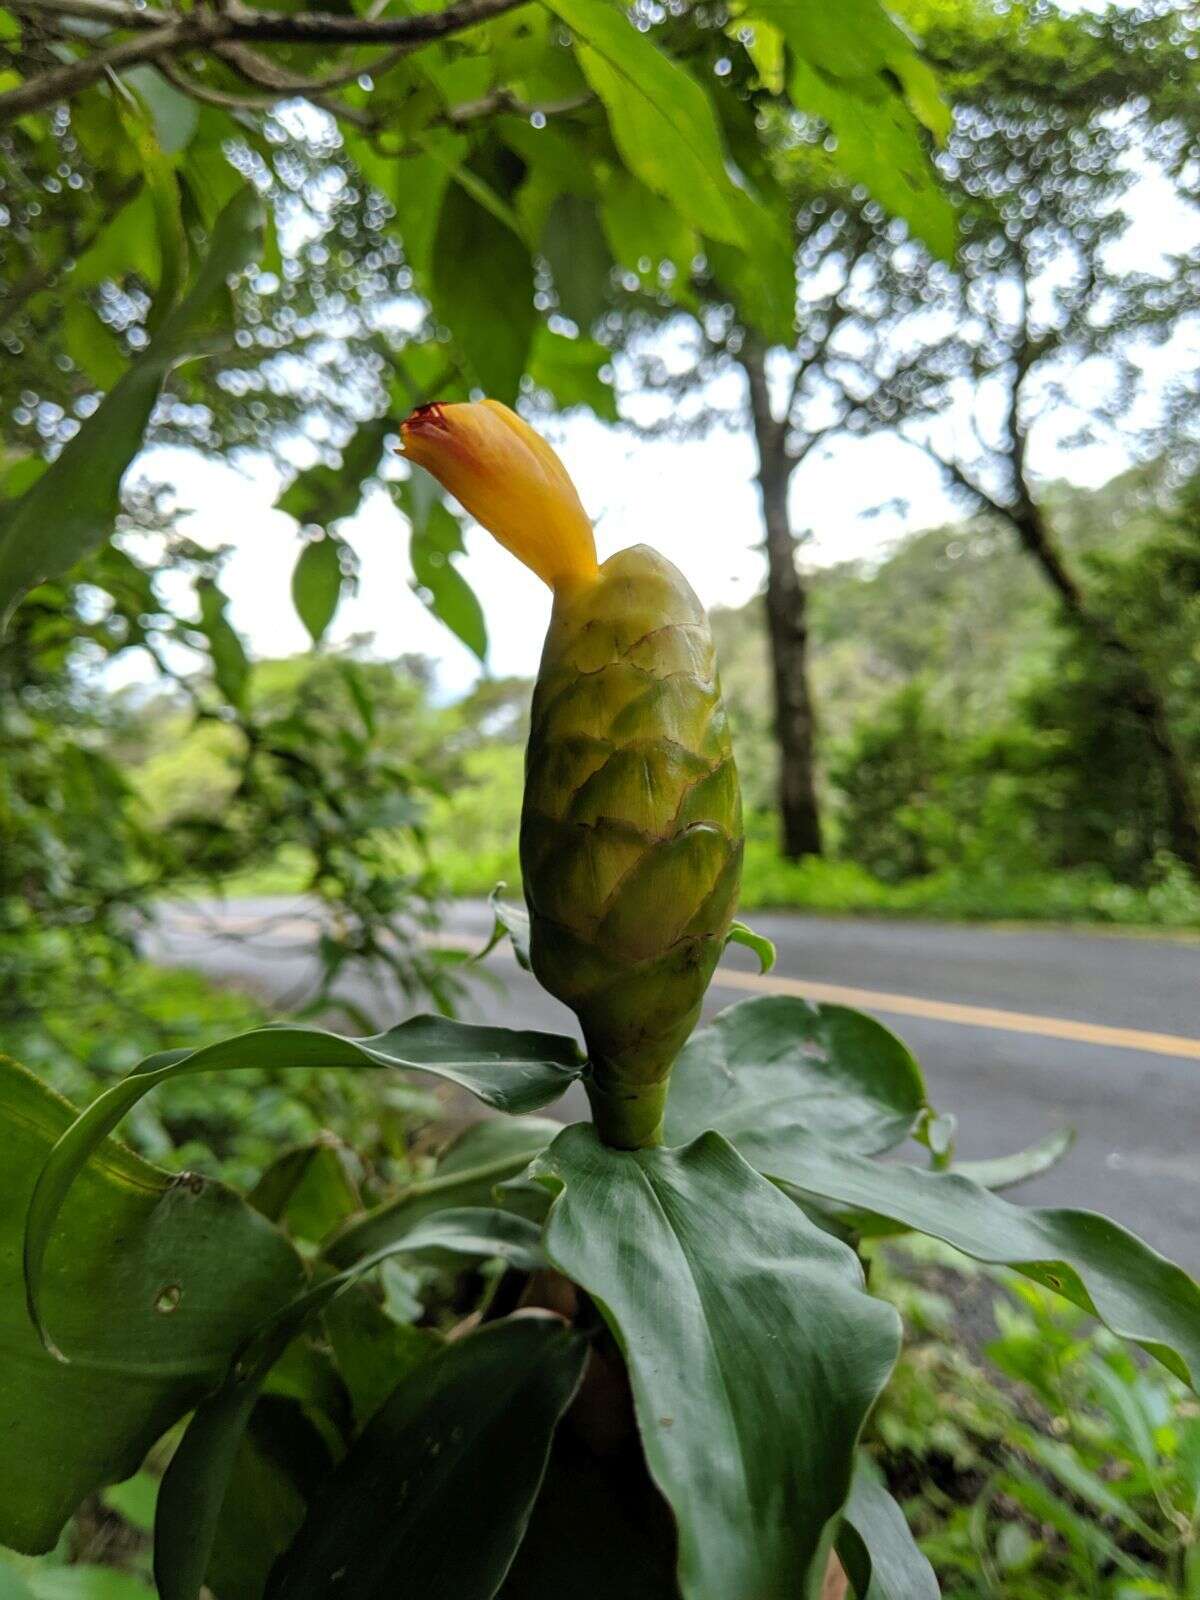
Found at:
<point>957,474</point>
<point>47,88</point>
<point>114,12</point>
<point>230,26</point>
<point>501,100</point>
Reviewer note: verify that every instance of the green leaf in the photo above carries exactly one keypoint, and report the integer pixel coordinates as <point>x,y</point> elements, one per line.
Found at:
<point>372,1350</point>
<point>415,185</point>
<point>858,71</point>
<point>875,1544</point>
<point>162,186</point>
<point>506,1069</point>
<point>134,1500</point>
<point>771,1067</point>
<point>281,1461</point>
<point>323,495</point>
<point>176,116</point>
<point>726,1306</point>
<point>764,948</point>
<point>512,922</point>
<point>467,1433</point>
<point>483,1156</point>
<point>570,370</point>
<point>643,233</point>
<point>317,584</point>
<point>493,330</point>
<point>662,121</point>
<point>1087,1259</point>
<point>1005,1172</point>
<point>196,1484</point>
<point>129,243</point>
<point>308,1190</point>
<point>436,538</point>
<point>92,346</point>
<point>573,243</point>
<point>84,1582</point>
<point>12,1584</point>
<point>70,510</point>
<point>231,669</point>
<point>154,1281</point>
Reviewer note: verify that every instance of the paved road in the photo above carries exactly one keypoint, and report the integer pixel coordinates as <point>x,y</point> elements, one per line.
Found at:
<point>1019,1032</point>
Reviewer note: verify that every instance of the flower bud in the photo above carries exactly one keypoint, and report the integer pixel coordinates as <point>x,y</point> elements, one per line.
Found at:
<point>631,829</point>
<point>510,481</point>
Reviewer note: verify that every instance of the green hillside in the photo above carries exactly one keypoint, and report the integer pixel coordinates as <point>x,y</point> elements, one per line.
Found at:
<point>958,608</point>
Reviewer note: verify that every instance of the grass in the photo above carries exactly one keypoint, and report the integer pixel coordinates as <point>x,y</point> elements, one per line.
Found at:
<point>1086,897</point>
<point>997,893</point>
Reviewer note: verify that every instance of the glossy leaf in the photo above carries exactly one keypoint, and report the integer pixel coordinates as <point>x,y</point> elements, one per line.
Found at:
<point>1005,1172</point>
<point>718,1340</point>
<point>768,1068</point>
<point>196,1483</point>
<point>467,1433</point>
<point>1087,1259</point>
<point>71,508</point>
<point>507,1069</point>
<point>317,585</point>
<point>493,331</point>
<point>512,922</point>
<point>153,1281</point>
<point>875,1544</point>
<point>662,121</point>
<point>484,1155</point>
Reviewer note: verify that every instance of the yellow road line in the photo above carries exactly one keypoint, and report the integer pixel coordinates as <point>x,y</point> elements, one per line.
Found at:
<point>899,1005</point>
<point>907,1005</point>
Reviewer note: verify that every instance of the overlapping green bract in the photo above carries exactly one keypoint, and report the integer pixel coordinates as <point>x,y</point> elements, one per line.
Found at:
<point>631,837</point>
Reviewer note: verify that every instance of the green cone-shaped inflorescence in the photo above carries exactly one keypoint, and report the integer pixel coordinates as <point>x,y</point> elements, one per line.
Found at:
<point>631,833</point>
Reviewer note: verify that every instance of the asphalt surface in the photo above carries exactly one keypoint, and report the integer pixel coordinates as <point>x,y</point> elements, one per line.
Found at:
<point>1015,1031</point>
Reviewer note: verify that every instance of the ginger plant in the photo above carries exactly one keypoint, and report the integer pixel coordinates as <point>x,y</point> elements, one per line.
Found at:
<point>652,1373</point>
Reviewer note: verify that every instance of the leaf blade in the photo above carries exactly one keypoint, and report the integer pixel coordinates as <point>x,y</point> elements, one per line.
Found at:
<point>472,1426</point>
<point>774,1064</point>
<point>876,1546</point>
<point>1094,1263</point>
<point>150,1248</point>
<point>710,1337</point>
<point>78,496</point>
<point>196,1482</point>
<point>662,121</point>
<point>507,1069</point>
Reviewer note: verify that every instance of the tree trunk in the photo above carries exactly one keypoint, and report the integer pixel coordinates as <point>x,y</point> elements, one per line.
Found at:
<point>787,629</point>
<point>1143,700</point>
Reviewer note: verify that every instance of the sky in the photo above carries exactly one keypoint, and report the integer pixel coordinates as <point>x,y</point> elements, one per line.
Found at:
<point>695,501</point>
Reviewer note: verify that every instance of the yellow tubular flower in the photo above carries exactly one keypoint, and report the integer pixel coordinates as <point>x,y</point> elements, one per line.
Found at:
<point>510,481</point>
<point>631,827</point>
